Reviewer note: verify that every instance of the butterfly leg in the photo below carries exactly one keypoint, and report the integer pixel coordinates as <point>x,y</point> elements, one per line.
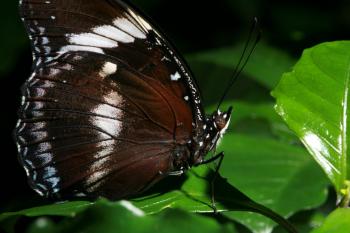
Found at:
<point>219,157</point>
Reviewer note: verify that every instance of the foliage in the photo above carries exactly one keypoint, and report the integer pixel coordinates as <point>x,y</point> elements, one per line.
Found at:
<point>313,100</point>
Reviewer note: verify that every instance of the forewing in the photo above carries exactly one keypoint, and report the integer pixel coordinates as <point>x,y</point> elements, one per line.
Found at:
<point>112,28</point>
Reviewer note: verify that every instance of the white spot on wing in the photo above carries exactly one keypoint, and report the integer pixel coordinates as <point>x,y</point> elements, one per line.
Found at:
<point>47,49</point>
<point>140,20</point>
<point>31,76</point>
<point>54,72</point>
<point>67,66</point>
<point>68,48</point>
<point>125,25</point>
<point>91,39</point>
<point>96,176</point>
<point>110,126</point>
<point>41,30</point>
<point>175,77</point>
<point>45,41</point>
<point>23,100</point>
<point>99,162</point>
<point>51,177</point>
<point>114,33</point>
<point>101,159</point>
<point>108,69</point>
<point>164,58</point>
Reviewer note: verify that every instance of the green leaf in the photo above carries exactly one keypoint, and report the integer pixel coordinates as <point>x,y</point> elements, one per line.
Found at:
<point>192,195</point>
<point>313,100</point>
<point>337,222</point>
<point>68,209</point>
<point>274,174</point>
<point>124,217</point>
<point>64,209</point>
<point>195,196</point>
<point>266,65</point>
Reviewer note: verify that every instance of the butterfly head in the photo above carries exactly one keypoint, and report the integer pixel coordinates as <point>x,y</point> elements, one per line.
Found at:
<point>221,121</point>
<point>218,122</point>
<point>213,129</point>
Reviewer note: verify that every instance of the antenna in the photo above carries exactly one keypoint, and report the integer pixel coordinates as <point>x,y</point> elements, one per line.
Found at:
<point>243,59</point>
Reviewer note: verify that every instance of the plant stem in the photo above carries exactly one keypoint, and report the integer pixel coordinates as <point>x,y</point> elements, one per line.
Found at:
<point>260,209</point>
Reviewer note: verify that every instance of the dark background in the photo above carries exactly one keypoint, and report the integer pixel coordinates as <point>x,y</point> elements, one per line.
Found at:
<point>192,26</point>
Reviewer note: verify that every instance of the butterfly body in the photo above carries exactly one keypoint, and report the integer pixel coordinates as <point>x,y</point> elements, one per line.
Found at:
<point>110,108</point>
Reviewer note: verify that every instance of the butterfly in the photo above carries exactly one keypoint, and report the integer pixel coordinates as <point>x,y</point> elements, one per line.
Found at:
<point>111,108</point>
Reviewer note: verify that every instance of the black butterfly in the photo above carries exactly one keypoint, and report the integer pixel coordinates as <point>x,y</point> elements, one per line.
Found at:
<point>111,108</point>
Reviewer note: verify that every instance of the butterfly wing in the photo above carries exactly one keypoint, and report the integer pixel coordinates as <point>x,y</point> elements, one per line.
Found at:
<point>107,102</point>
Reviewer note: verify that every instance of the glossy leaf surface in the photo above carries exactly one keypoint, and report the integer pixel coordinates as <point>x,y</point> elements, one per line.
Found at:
<point>313,100</point>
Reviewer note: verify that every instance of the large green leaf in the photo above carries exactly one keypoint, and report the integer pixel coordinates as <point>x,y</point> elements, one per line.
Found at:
<point>337,222</point>
<point>68,209</point>
<point>124,217</point>
<point>266,65</point>
<point>313,100</point>
<point>192,195</point>
<point>280,176</point>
